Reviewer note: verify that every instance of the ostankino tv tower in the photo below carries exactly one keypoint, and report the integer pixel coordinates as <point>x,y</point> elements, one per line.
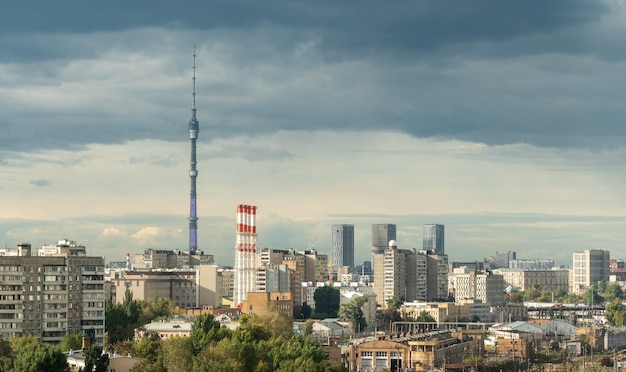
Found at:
<point>194,128</point>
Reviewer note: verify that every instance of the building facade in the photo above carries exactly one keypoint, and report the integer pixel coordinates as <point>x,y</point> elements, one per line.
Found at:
<point>382,233</point>
<point>547,280</point>
<point>342,246</point>
<point>58,293</point>
<point>433,238</point>
<point>589,267</point>
<point>146,285</point>
<point>485,287</point>
<point>407,275</point>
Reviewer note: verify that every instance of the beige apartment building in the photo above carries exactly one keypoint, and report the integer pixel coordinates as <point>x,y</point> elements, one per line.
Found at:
<point>547,280</point>
<point>188,289</point>
<point>484,287</point>
<point>407,275</point>
<point>59,292</point>
<point>146,285</point>
<point>305,266</point>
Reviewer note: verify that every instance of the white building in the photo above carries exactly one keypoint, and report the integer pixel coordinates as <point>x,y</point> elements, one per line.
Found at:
<point>589,267</point>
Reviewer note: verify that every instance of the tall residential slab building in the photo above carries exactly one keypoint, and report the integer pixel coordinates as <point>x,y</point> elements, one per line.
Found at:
<point>382,234</point>
<point>589,267</point>
<point>57,293</point>
<point>342,246</point>
<point>433,238</point>
<point>407,275</point>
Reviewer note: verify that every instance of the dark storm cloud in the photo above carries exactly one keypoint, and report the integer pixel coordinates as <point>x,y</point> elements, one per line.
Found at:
<point>422,75</point>
<point>370,25</point>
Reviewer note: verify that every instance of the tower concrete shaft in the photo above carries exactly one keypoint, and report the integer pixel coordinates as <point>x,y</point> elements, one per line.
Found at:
<point>194,128</point>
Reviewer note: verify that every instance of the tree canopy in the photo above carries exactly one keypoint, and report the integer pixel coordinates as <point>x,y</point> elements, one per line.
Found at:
<point>353,310</point>
<point>326,302</point>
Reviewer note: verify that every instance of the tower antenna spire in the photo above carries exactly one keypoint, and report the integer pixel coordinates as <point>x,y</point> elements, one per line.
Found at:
<point>193,94</point>
<point>194,128</point>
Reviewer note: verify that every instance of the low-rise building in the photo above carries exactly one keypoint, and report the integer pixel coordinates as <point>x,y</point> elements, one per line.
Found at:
<point>165,329</point>
<point>260,303</point>
<point>424,351</point>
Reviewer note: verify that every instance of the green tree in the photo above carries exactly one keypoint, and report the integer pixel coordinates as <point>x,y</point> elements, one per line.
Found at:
<point>73,341</point>
<point>277,324</point>
<point>326,302</point>
<point>178,354</point>
<point>308,327</point>
<point>592,297</point>
<point>94,359</point>
<point>148,349</point>
<point>6,355</point>
<point>306,310</point>
<point>425,317</point>
<point>353,310</point>
<point>37,357</point>
<point>615,313</point>
<point>613,291</point>
<point>206,330</point>
<point>532,293</point>
<point>390,313</point>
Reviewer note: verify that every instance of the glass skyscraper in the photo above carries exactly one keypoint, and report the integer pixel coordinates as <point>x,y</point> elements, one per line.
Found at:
<point>433,238</point>
<point>382,233</point>
<point>343,246</point>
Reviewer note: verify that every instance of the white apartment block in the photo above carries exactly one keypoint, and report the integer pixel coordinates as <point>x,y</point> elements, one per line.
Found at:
<point>49,296</point>
<point>589,267</point>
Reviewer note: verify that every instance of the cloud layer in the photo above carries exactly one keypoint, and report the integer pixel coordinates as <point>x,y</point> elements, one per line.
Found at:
<point>318,112</point>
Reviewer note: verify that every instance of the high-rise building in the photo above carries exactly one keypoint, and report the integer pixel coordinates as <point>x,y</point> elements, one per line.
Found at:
<point>57,293</point>
<point>433,238</point>
<point>502,260</point>
<point>342,246</point>
<point>382,234</point>
<point>245,253</point>
<point>589,267</point>
<point>407,275</point>
<point>394,274</point>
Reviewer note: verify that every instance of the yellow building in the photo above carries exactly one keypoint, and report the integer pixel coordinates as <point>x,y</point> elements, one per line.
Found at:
<point>421,352</point>
<point>260,303</point>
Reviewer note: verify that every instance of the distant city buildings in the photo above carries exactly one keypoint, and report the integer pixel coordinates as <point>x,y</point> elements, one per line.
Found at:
<point>342,246</point>
<point>433,238</point>
<point>169,259</point>
<point>382,234</point>
<point>545,279</point>
<point>502,259</point>
<point>407,275</point>
<point>484,287</point>
<point>532,264</point>
<point>589,267</point>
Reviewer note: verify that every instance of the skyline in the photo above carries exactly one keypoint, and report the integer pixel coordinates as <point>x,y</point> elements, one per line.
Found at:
<point>500,121</point>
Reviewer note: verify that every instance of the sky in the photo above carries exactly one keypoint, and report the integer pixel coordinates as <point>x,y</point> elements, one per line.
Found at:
<point>504,121</point>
